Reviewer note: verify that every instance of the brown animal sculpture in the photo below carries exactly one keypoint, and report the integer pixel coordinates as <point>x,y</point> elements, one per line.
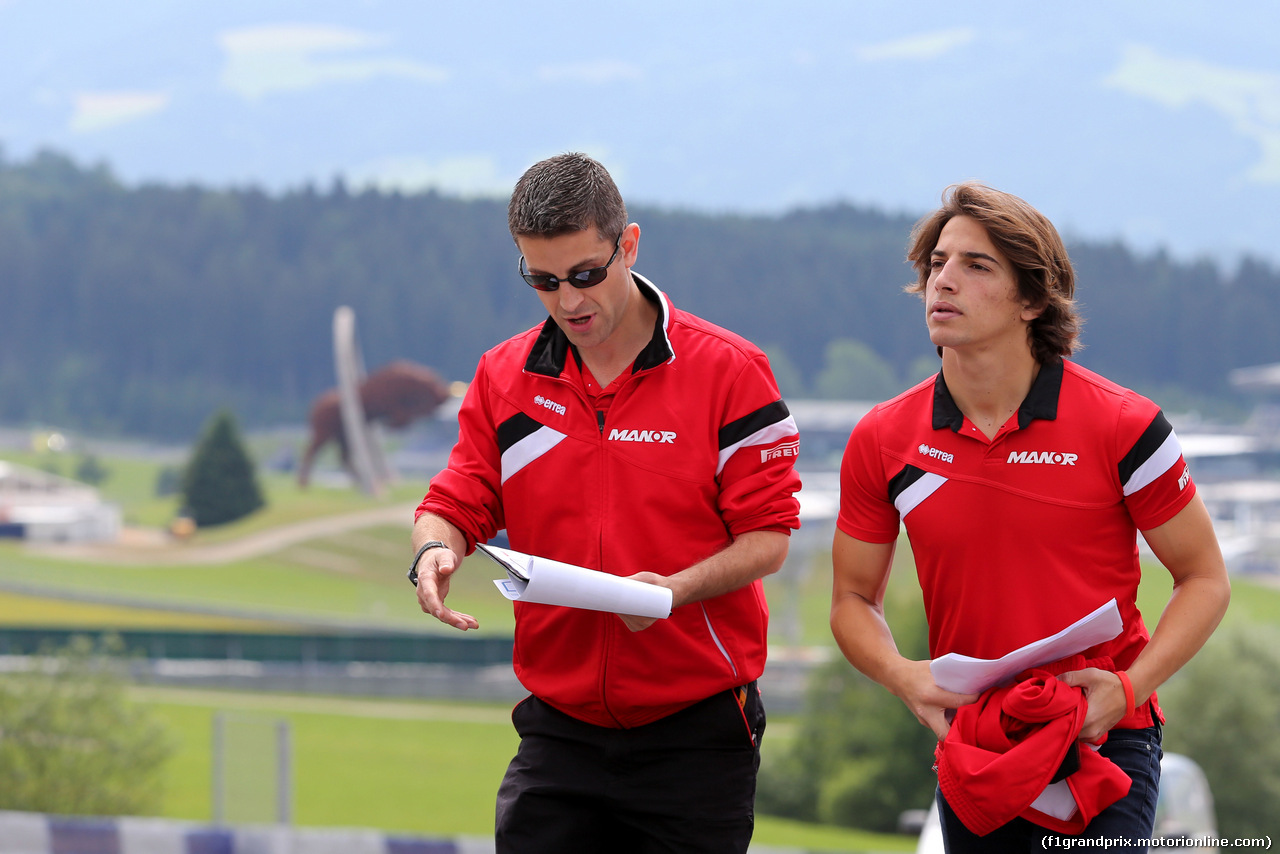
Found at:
<point>396,394</point>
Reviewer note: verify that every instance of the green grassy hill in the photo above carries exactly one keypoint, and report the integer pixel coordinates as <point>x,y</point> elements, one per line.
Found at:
<point>339,577</point>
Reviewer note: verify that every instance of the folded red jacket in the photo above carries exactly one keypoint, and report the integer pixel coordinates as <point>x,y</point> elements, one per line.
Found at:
<point>1003,751</point>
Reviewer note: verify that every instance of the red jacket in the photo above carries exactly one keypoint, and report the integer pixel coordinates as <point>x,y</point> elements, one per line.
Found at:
<point>696,449</point>
<point>1003,750</point>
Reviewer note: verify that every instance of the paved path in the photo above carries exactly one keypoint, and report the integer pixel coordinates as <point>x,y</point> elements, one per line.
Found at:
<point>163,550</point>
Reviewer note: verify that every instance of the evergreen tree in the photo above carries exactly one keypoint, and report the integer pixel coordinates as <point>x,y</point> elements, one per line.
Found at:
<point>220,484</point>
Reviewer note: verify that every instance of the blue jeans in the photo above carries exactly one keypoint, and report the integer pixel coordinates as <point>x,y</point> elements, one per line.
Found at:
<point>1136,751</point>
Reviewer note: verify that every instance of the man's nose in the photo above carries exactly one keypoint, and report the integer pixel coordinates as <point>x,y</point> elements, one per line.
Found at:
<point>570,297</point>
<point>944,278</point>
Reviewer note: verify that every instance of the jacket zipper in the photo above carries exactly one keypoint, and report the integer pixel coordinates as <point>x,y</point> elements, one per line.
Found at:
<point>716,638</point>
<point>608,627</point>
<point>608,623</point>
<point>611,626</point>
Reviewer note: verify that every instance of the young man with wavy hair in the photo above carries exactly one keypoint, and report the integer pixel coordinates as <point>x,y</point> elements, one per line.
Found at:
<point>1022,480</point>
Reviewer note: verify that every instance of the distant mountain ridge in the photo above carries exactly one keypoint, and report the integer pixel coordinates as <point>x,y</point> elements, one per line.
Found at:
<point>140,311</point>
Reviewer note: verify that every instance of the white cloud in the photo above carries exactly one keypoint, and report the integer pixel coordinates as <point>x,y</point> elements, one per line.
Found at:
<point>597,73</point>
<point>922,46</point>
<point>300,38</point>
<point>1249,100</point>
<point>284,58</point>
<point>804,58</point>
<point>470,175</point>
<point>100,110</point>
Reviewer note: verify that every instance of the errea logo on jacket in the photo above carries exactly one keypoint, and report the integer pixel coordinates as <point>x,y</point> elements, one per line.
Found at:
<point>548,403</point>
<point>662,437</point>
<point>1053,458</point>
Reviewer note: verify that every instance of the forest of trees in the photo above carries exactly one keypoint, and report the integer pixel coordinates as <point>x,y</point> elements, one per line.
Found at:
<point>142,310</point>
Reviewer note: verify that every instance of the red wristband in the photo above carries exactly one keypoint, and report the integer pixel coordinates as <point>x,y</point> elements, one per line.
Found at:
<point>1128,692</point>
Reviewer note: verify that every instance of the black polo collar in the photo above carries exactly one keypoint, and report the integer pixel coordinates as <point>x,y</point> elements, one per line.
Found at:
<point>1041,401</point>
<point>552,346</point>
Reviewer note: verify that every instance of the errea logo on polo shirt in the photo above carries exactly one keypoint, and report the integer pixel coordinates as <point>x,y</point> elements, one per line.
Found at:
<point>1053,458</point>
<point>936,453</point>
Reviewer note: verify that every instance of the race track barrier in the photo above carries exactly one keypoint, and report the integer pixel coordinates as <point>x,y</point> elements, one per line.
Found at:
<point>338,647</point>
<point>36,833</point>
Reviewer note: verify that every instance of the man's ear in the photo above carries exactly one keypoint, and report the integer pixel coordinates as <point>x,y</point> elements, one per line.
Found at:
<point>630,244</point>
<point>1032,310</point>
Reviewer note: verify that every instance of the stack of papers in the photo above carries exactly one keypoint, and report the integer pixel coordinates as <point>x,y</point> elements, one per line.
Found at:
<point>965,675</point>
<point>550,582</point>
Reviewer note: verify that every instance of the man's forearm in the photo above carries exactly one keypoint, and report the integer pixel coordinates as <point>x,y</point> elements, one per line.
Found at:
<point>1194,611</point>
<point>430,527</point>
<point>864,637</point>
<point>753,555</point>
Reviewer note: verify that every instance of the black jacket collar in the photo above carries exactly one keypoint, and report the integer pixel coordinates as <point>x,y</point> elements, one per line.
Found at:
<point>1041,401</point>
<point>552,347</point>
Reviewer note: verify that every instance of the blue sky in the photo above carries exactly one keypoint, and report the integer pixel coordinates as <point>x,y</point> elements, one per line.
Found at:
<point>1155,123</point>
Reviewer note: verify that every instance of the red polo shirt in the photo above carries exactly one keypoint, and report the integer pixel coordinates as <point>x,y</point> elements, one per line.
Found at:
<point>1019,536</point>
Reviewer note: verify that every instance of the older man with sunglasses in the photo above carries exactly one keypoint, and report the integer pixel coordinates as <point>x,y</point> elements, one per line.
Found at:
<point>632,438</point>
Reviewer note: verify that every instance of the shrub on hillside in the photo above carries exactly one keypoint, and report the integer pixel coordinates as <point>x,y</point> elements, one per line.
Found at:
<point>72,743</point>
<point>91,470</point>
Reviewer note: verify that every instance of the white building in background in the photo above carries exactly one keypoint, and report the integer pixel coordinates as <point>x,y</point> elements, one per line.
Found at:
<point>43,507</point>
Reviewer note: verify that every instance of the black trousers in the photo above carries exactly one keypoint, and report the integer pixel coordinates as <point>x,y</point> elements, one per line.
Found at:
<point>685,783</point>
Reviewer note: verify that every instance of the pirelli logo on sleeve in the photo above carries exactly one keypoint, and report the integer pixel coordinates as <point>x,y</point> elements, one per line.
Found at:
<point>770,425</point>
<point>786,449</point>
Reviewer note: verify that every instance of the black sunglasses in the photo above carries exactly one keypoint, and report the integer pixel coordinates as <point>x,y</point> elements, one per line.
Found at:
<point>580,279</point>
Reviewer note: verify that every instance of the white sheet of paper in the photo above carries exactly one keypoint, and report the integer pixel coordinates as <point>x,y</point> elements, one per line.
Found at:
<point>551,582</point>
<point>965,675</point>
<point>1056,800</point>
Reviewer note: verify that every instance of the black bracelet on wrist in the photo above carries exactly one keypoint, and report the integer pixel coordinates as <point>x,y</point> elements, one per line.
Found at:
<point>413,567</point>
